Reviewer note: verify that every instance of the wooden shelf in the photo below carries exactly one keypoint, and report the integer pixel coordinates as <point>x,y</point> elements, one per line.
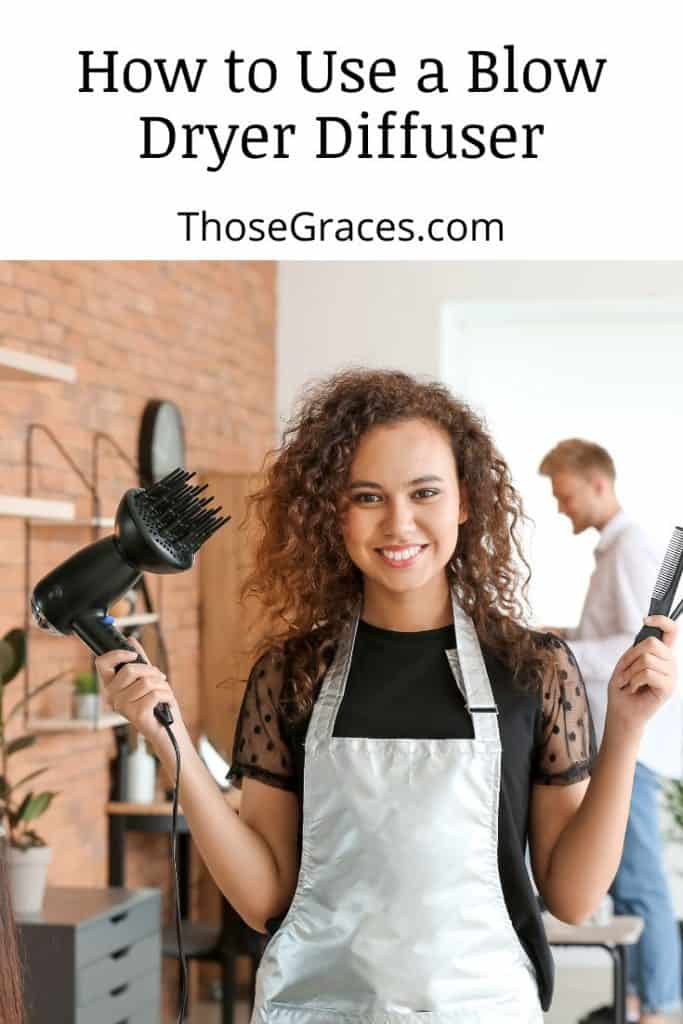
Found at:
<point>108,720</point>
<point>136,620</point>
<point>37,508</point>
<point>123,807</point>
<point>16,365</point>
<point>144,619</point>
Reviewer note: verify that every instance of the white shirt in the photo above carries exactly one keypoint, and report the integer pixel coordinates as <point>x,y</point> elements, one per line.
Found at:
<point>626,567</point>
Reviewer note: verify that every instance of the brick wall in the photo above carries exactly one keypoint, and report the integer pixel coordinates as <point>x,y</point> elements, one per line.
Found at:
<point>200,334</point>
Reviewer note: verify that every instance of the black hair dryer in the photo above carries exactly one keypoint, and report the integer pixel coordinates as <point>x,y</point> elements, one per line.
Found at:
<point>158,529</point>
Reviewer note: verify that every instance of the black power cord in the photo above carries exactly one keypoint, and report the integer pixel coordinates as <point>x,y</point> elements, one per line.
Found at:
<point>166,718</point>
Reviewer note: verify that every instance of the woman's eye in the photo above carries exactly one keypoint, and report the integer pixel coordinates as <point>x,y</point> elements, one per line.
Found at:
<point>425,492</point>
<point>366,499</point>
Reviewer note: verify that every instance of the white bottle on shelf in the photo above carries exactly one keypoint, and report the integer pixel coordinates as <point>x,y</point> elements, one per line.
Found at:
<point>140,774</point>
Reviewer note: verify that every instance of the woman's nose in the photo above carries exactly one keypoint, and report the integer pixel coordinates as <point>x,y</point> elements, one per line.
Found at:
<point>399,521</point>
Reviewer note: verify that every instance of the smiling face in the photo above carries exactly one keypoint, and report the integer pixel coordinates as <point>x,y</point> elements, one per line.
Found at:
<point>404,508</point>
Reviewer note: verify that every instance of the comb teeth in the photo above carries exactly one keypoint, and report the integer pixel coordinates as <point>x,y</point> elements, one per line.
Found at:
<point>671,566</point>
<point>181,518</point>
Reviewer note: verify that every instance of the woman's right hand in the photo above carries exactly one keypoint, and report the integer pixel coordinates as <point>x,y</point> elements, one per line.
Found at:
<point>135,689</point>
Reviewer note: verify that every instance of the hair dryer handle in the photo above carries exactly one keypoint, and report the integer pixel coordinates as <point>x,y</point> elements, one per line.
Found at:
<point>98,632</point>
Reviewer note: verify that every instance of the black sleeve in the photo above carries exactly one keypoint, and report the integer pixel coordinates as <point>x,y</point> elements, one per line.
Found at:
<point>566,746</point>
<point>261,748</point>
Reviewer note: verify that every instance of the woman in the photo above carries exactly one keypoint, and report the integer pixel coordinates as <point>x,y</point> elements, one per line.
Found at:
<point>11,1007</point>
<point>403,733</point>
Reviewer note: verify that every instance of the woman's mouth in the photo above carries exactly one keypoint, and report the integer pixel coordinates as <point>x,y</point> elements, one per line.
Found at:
<point>401,556</point>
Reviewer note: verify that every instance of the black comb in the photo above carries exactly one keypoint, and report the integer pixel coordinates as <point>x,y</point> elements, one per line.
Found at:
<point>666,585</point>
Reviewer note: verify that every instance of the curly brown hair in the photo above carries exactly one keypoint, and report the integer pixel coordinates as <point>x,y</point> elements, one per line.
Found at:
<point>303,577</point>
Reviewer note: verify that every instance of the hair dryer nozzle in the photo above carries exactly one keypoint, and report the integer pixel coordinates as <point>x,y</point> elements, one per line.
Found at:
<point>160,528</point>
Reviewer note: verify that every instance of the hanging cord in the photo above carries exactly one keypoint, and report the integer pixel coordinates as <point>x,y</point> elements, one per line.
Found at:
<point>174,833</point>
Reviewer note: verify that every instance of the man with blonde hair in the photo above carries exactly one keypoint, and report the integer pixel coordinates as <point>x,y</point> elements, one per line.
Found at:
<point>582,475</point>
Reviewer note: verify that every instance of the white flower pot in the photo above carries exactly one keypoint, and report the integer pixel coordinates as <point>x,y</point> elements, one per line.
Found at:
<point>27,877</point>
<point>87,706</point>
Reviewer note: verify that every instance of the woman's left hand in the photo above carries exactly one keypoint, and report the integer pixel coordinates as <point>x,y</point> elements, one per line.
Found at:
<point>644,677</point>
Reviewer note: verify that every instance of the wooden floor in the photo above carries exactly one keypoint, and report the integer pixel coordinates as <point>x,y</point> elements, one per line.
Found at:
<point>580,989</point>
<point>210,1013</point>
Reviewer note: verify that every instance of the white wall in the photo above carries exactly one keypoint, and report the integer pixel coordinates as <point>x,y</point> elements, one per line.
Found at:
<point>389,314</point>
<point>606,371</point>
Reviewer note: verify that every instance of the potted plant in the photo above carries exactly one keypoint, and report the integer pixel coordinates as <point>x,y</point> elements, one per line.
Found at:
<point>27,853</point>
<point>87,695</point>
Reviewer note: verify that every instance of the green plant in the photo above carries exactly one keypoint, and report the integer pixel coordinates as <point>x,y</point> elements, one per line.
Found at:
<point>86,683</point>
<point>18,812</point>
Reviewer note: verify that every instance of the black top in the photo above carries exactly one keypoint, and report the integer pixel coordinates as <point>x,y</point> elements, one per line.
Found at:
<point>400,686</point>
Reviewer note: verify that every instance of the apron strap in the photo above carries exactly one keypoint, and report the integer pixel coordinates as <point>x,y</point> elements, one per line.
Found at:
<point>466,663</point>
<point>327,705</point>
<point>469,671</point>
<point>484,716</point>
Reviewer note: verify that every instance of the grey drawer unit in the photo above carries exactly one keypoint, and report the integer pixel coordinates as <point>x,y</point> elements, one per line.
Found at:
<point>93,956</point>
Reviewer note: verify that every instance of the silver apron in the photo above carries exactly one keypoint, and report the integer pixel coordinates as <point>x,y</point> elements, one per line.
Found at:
<point>399,914</point>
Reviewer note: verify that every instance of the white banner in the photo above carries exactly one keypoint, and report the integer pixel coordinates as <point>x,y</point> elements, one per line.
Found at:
<point>375,130</point>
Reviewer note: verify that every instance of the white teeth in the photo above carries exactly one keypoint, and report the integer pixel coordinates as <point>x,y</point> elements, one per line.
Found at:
<point>401,556</point>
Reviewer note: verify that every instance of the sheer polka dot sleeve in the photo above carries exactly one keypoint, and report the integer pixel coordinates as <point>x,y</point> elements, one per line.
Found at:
<point>261,749</point>
<point>566,739</point>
